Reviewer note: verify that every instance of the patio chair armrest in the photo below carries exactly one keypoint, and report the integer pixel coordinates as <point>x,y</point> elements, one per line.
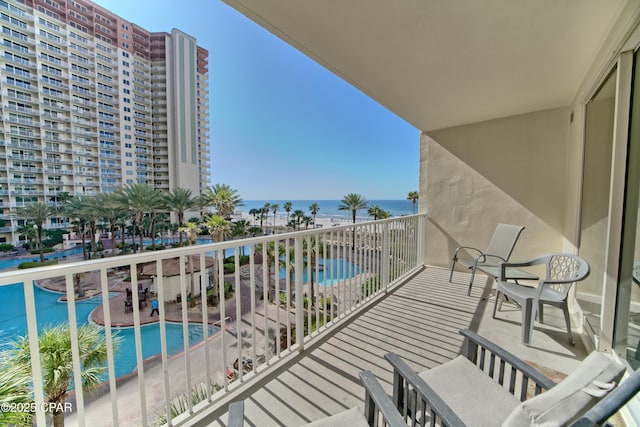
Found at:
<point>377,402</point>
<point>476,349</point>
<point>467,248</point>
<point>527,263</point>
<point>484,257</point>
<point>608,406</point>
<point>407,381</point>
<point>236,414</point>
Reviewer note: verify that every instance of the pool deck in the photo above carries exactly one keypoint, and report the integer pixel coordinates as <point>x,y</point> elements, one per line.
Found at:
<point>172,310</point>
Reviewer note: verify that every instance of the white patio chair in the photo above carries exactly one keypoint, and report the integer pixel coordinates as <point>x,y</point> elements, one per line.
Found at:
<point>562,271</point>
<point>498,251</point>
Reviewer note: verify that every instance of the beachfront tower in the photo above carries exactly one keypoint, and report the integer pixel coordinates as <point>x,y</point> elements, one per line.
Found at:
<point>91,101</point>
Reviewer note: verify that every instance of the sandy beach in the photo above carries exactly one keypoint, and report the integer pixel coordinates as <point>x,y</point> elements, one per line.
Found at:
<point>281,221</point>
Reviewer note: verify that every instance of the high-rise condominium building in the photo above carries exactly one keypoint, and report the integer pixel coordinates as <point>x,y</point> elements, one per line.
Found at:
<point>91,101</point>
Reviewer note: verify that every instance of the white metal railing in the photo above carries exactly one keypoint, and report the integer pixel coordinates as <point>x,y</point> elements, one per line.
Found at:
<point>272,312</point>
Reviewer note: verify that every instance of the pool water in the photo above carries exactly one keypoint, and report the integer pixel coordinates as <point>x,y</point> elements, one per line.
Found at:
<point>49,311</point>
<point>14,261</point>
<point>330,271</point>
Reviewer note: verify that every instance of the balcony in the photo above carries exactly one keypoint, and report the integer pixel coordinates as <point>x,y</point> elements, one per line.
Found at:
<point>384,300</point>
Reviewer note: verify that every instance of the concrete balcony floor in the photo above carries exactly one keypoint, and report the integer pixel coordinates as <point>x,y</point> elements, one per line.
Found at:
<point>419,320</point>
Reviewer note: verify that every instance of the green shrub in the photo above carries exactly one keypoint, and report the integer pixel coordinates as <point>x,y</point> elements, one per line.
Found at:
<point>6,247</point>
<point>157,248</point>
<point>228,290</point>
<point>44,251</point>
<point>244,259</point>
<point>34,264</point>
<point>229,268</point>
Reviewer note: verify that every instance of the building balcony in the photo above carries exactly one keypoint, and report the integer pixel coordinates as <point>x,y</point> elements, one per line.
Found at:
<point>371,294</point>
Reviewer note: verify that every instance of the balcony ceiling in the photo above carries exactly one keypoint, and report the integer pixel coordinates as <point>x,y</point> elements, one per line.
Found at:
<point>439,63</point>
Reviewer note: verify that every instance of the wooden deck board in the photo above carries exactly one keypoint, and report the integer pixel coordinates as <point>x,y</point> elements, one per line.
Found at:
<point>419,320</point>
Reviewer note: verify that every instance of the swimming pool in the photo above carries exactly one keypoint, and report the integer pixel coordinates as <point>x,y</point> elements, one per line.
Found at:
<point>13,261</point>
<point>330,271</point>
<point>49,311</point>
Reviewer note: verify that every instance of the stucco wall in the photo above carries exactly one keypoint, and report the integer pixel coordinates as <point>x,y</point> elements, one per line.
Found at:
<point>510,170</point>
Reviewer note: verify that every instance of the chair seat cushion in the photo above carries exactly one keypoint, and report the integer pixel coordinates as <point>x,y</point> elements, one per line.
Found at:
<point>353,417</point>
<point>476,398</point>
<point>590,381</point>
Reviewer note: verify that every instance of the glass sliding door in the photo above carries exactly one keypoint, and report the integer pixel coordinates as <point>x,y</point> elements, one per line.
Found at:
<point>627,320</point>
<point>599,124</point>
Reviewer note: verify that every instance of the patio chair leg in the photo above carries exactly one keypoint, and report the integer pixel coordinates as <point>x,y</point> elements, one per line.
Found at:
<point>540,317</point>
<point>453,265</point>
<point>473,275</point>
<point>527,321</point>
<point>495,304</point>
<point>567,319</point>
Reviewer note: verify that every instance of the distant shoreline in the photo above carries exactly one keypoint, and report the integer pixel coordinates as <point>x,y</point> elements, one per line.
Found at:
<point>328,214</point>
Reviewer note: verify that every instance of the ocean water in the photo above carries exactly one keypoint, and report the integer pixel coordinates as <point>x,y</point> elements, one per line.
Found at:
<point>329,208</point>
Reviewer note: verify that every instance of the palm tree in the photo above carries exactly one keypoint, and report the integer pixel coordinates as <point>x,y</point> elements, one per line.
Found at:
<point>112,208</point>
<point>271,259</point>
<point>92,213</point>
<point>264,212</point>
<point>353,202</point>
<point>192,230</point>
<point>274,209</point>
<point>240,229</point>
<point>54,343</point>
<point>140,199</point>
<point>73,208</point>
<point>28,232</point>
<point>37,214</point>
<point>413,196</point>
<point>219,228</point>
<point>378,213</point>
<point>14,389</point>
<point>180,200</point>
<point>314,208</point>
<point>312,250</point>
<point>307,221</point>
<point>254,212</point>
<point>224,199</point>
<point>158,204</point>
<point>296,218</point>
<point>288,207</point>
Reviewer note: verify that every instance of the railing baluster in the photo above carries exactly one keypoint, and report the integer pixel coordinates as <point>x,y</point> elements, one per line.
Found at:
<point>266,284</point>
<point>185,319</point>
<point>252,286</point>
<point>204,298</point>
<point>104,287</point>
<point>133,272</point>
<point>364,259</point>
<point>299,293</point>
<point>223,316</point>
<point>163,339</point>
<point>287,251</point>
<point>238,297</point>
<point>316,294</point>
<point>75,353</point>
<point>501,373</point>
<point>276,292</point>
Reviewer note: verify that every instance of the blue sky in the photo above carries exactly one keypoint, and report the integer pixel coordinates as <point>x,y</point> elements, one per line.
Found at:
<point>282,126</point>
